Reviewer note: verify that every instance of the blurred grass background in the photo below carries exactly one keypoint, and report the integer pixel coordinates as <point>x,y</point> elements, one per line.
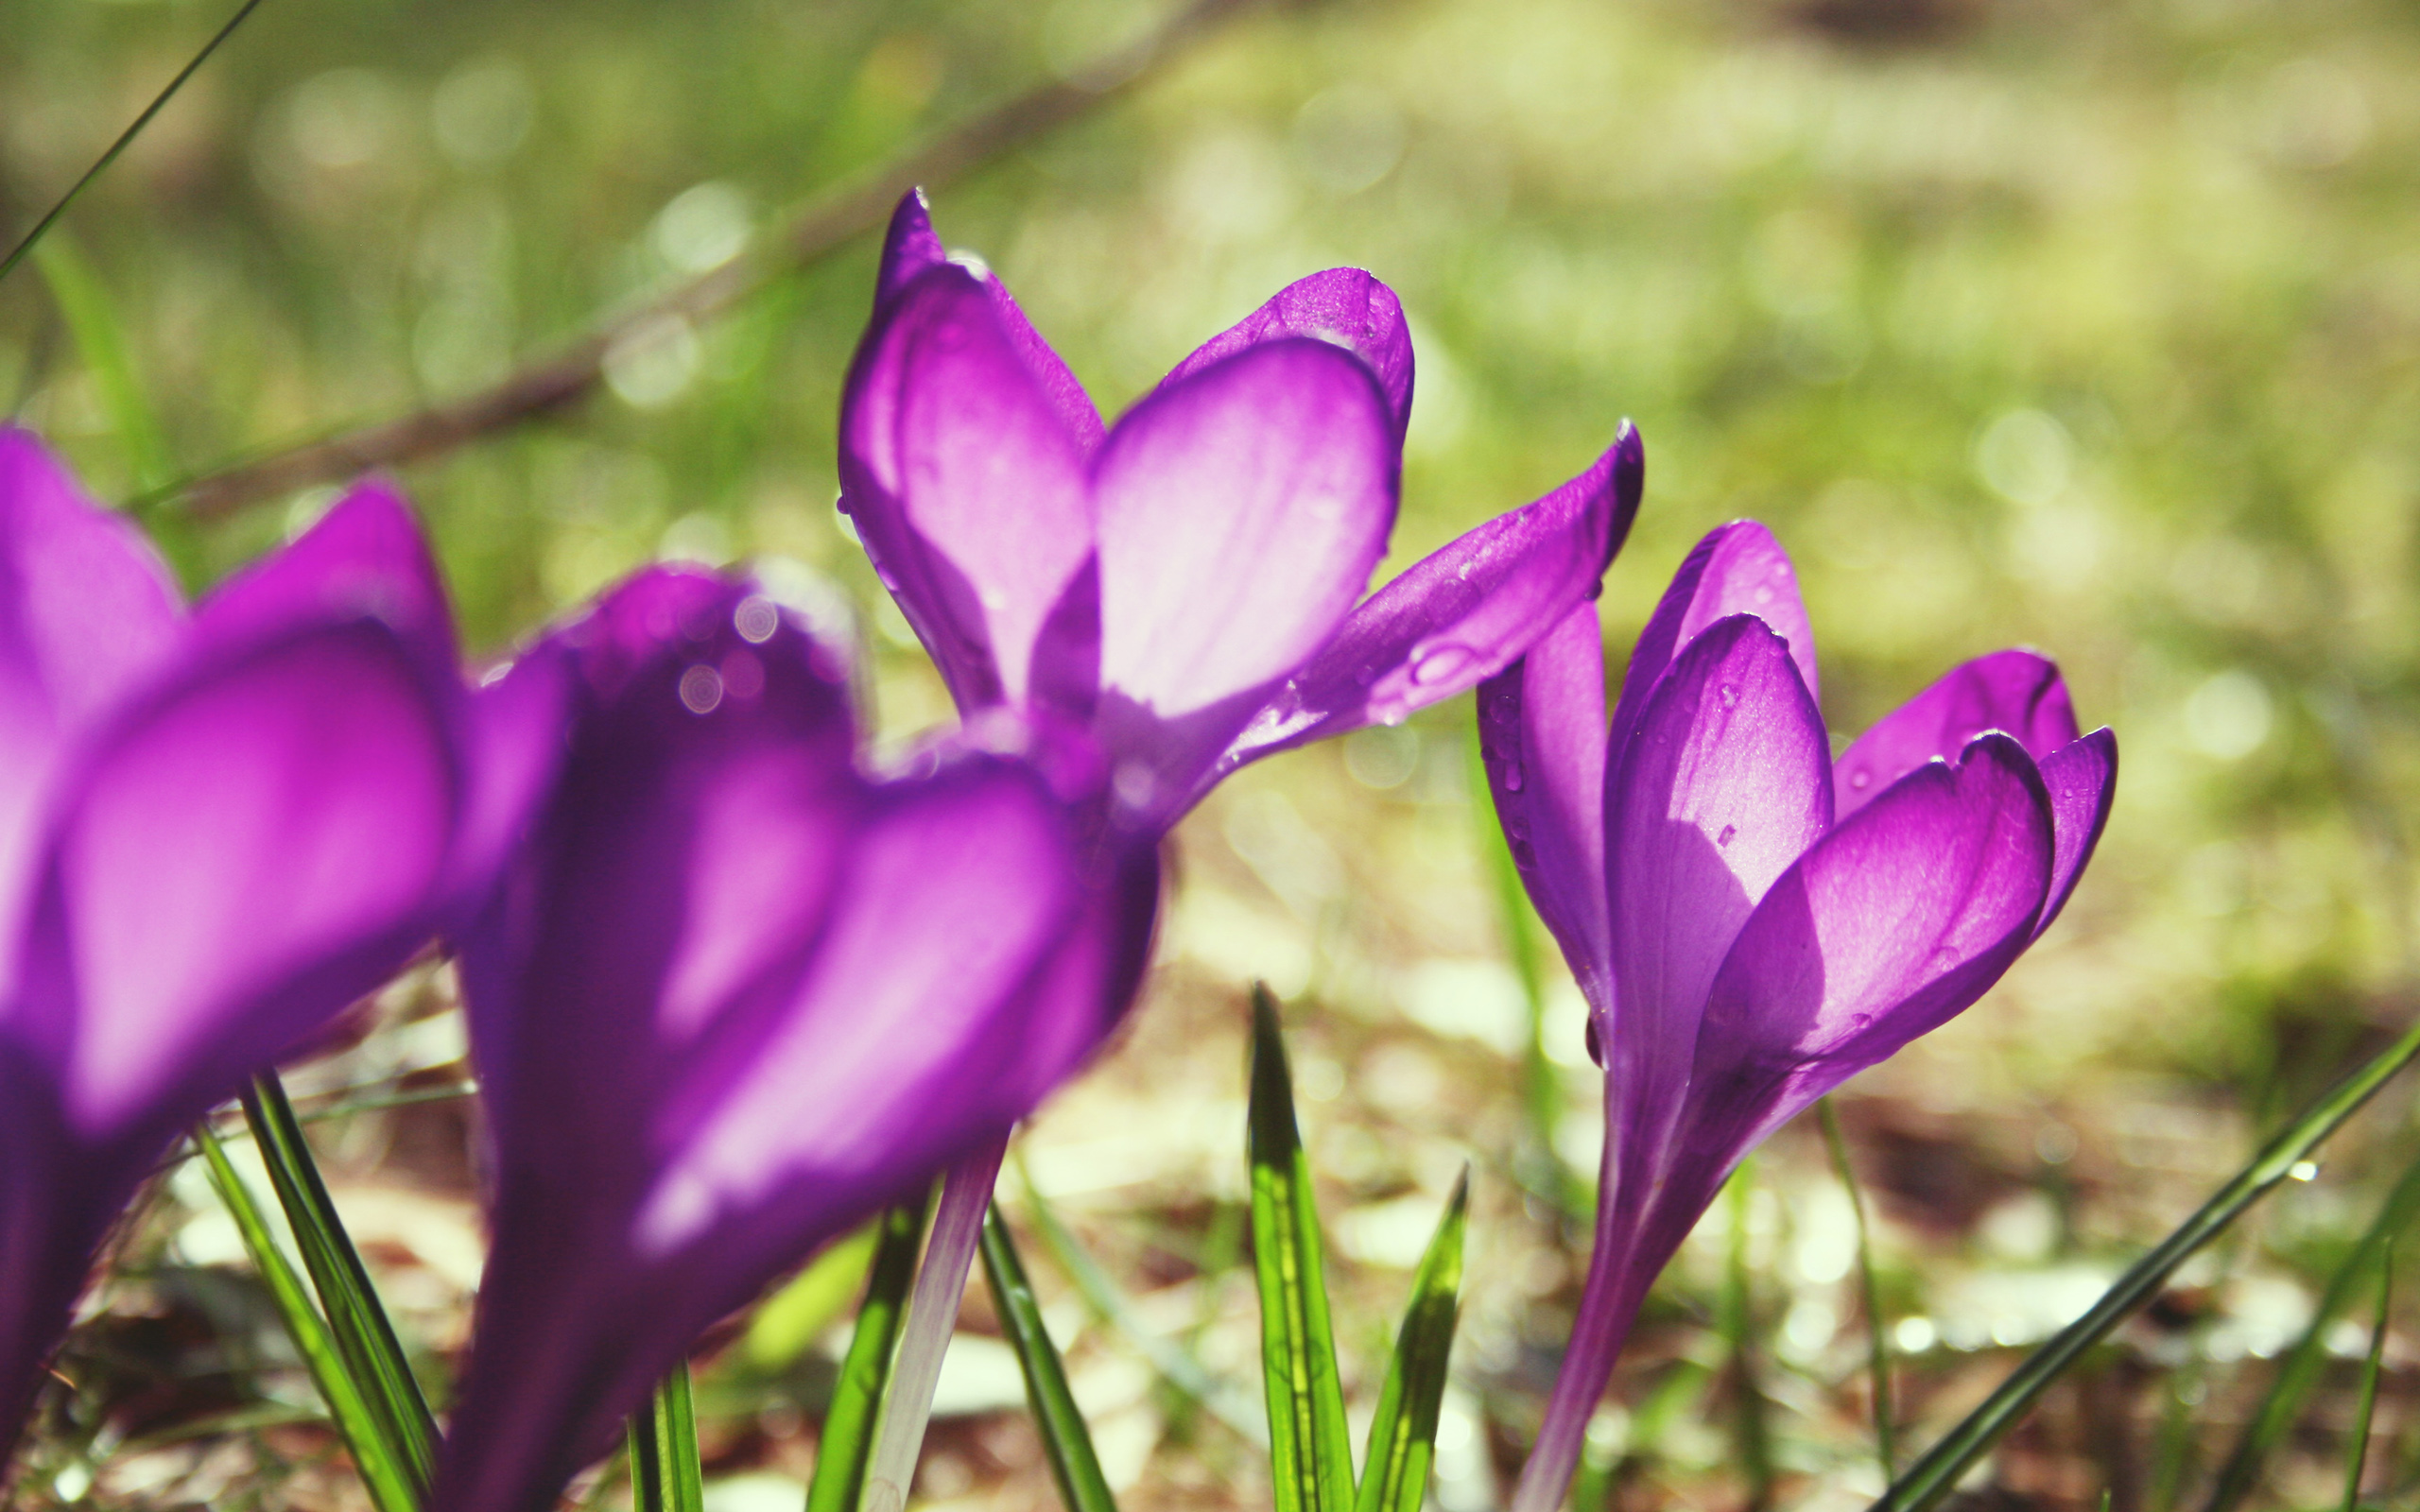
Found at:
<point>2090,326</point>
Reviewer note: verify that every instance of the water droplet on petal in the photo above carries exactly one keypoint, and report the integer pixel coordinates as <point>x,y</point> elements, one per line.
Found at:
<point>756,619</point>
<point>1596,1043</point>
<point>1729,693</point>
<point>1728,831</point>
<point>1860,779</point>
<point>1435,664</point>
<point>1510,778</point>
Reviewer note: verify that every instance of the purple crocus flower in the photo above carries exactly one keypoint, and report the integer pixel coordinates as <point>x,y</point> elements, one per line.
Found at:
<point>734,997</point>
<point>1752,921</point>
<point>216,830</point>
<point>1189,581</point>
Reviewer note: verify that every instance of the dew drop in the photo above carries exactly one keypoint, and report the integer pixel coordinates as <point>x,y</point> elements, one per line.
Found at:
<point>1729,693</point>
<point>1434,665</point>
<point>700,690</point>
<point>1596,1043</point>
<point>1511,778</point>
<point>756,619</point>
<point>1860,779</point>
<point>1729,831</point>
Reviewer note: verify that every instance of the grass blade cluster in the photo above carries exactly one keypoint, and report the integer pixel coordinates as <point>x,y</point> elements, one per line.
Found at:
<point>664,1475</point>
<point>2357,1450</point>
<point>1403,1436</point>
<point>1310,1451</point>
<point>374,1356</point>
<point>1065,1441</point>
<point>1936,1474</point>
<point>1869,1297</point>
<point>847,1445</point>
<point>383,1473</point>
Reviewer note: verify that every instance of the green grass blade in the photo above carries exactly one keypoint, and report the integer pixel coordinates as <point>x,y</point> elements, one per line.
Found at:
<point>100,341</point>
<point>932,1319</point>
<point>2357,1454</point>
<point>1065,1440</point>
<point>2303,1364</point>
<point>363,1332</point>
<point>1936,1474</point>
<point>1403,1436</point>
<point>1175,1365</point>
<point>664,1476</point>
<point>786,1323</point>
<point>847,1445</point>
<point>390,1486</point>
<point>1310,1450</point>
<point>1738,1324</point>
<point>125,139</point>
<point>1878,1363</point>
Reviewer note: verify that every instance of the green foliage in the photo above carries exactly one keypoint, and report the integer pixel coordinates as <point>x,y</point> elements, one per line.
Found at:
<point>1310,1454</point>
<point>1066,1442</point>
<point>664,1475</point>
<point>1403,1433</point>
<point>849,1425</point>
<point>786,1324</point>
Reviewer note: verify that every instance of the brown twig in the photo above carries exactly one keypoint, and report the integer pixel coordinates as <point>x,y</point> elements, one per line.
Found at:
<point>827,223</point>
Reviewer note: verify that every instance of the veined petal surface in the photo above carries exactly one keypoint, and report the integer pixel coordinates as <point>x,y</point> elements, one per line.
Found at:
<point>1343,306</point>
<point>1725,782</point>
<point>2016,691</point>
<point>1738,569</point>
<point>1462,613</point>
<point>1240,514</point>
<point>1894,922</point>
<point>1542,736</point>
<point>2081,778</point>
<point>967,486</point>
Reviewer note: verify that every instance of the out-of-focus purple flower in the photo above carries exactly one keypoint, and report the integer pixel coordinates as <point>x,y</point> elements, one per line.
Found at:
<point>733,997</point>
<point>1752,921</point>
<point>1189,581</point>
<point>216,830</point>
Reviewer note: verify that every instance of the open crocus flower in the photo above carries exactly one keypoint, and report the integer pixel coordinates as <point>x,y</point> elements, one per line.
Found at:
<point>1189,581</point>
<point>1752,921</point>
<point>734,997</point>
<point>216,830</point>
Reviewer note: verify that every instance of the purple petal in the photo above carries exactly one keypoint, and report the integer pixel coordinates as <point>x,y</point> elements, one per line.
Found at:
<point>365,558</point>
<point>736,1000</point>
<point>2018,692</point>
<point>1738,569</point>
<point>1240,514</point>
<point>2081,778</point>
<point>514,731</point>
<point>243,857</point>
<point>1460,614</point>
<point>87,611</point>
<point>1725,782</point>
<point>966,484</point>
<point>909,247</point>
<point>1542,733</point>
<point>1343,306</point>
<point>1902,917</point>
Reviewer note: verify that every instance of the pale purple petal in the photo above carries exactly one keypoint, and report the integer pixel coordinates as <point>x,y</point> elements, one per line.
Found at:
<point>1460,614</point>
<point>513,731</point>
<point>966,484</point>
<point>1542,735</point>
<point>1343,306</point>
<point>734,999</point>
<point>909,247</point>
<point>1725,782</point>
<point>1738,569</point>
<point>1899,919</point>
<point>1240,514</point>
<point>2081,778</point>
<point>241,857</point>
<point>365,558</point>
<point>2019,692</point>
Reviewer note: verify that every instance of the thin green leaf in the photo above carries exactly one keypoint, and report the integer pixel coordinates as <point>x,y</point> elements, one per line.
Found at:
<point>1877,1362</point>
<point>373,1354</point>
<point>100,341</point>
<point>1936,1474</point>
<point>1177,1365</point>
<point>664,1476</point>
<point>1540,1088</point>
<point>390,1486</point>
<point>1310,1450</point>
<point>2357,1454</point>
<point>1403,1436</point>
<point>2303,1364</point>
<point>1739,1333</point>
<point>125,139</point>
<point>1065,1441</point>
<point>847,1445</point>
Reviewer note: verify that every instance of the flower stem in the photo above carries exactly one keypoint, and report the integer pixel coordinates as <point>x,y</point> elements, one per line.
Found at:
<point>932,1314</point>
